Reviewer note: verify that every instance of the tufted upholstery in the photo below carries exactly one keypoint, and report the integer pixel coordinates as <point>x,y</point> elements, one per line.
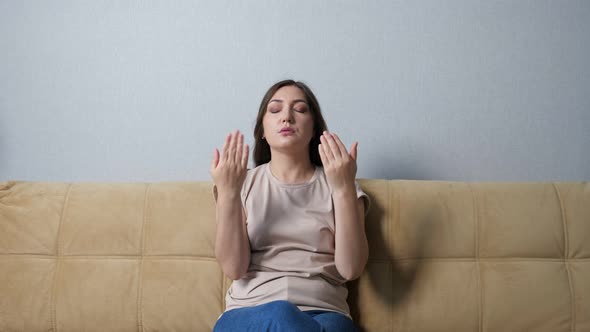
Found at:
<point>444,256</point>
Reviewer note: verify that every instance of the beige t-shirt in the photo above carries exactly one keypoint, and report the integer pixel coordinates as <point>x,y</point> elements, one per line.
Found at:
<point>291,232</point>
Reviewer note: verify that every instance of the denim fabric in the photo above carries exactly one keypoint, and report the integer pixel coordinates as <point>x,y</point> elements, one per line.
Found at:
<point>282,316</point>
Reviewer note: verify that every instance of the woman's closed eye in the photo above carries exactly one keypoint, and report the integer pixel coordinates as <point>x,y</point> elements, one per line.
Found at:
<point>298,110</point>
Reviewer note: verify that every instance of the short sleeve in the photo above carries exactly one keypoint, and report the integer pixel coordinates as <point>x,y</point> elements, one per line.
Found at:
<point>361,194</point>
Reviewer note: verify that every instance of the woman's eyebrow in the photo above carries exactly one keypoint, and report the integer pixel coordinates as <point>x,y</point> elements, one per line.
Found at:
<point>299,101</point>
<point>294,101</point>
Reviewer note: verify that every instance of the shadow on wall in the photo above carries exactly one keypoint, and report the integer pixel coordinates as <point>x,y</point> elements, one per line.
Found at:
<point>393,289</point>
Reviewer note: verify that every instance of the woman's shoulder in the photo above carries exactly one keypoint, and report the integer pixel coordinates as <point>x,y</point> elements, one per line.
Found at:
<point>255,173</point>
<point>253,179</point>
<point>256,170</point>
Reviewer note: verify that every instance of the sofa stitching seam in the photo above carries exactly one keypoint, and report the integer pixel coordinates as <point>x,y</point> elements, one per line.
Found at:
<point>59,253</point>
<point>477,258</point>
<point>143,241</point>
<point>566,258</point>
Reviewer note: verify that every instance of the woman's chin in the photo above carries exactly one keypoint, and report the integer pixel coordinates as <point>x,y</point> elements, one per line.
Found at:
<point>291,147</point>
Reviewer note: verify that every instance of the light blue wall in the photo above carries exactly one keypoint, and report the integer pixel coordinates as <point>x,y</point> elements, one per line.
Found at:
<point>445,90</point>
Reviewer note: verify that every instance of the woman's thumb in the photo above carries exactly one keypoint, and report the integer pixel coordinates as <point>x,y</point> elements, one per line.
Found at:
<point>353,150</point>
<point>215,159</point>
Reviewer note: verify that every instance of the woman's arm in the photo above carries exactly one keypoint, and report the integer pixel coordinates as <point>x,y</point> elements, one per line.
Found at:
<point>352,249</point>
<point>232,247</point>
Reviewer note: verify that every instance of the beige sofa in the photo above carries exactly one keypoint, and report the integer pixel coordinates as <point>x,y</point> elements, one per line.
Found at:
<point>444,256</point>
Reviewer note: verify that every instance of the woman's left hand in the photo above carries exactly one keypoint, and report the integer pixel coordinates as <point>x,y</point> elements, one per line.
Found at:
<point>339,165</point>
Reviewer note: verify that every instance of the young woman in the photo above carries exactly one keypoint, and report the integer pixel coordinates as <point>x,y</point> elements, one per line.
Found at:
<point>291,231</point>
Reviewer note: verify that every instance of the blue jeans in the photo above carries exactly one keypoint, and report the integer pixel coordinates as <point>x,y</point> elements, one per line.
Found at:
<point>282,316</point>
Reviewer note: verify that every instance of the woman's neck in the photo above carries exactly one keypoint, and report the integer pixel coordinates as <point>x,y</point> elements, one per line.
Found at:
<point>291,170</point>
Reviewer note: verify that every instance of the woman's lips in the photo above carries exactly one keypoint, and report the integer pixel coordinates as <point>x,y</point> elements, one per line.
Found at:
<point>286,130</point>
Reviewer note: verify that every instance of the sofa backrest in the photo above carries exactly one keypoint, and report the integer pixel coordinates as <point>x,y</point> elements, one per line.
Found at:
<point>458,256</point>
<point>444,256</point>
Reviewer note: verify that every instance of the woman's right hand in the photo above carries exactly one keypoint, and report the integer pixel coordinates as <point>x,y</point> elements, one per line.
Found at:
<point>229,168</point>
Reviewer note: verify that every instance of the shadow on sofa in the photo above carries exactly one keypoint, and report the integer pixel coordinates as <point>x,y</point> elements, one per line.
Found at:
<point>404,272</point>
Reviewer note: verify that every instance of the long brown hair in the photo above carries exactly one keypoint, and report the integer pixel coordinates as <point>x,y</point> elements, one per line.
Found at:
<point>261,147</point>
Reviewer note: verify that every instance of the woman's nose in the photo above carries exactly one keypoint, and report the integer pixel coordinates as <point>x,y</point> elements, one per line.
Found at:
<point>287,117</point>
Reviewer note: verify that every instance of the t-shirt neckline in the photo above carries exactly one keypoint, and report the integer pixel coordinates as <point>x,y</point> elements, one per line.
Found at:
<point>291,185</point>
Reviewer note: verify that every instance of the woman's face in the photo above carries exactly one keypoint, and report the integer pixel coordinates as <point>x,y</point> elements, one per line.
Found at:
<point>288,122</point>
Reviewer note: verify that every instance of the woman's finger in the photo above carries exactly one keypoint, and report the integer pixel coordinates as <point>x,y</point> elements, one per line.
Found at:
<point>215,160</point>
<point>354,150</point>
<point>340,145</point>
<point>322,154</point>
<point>224,154</point>
<point>326,148</point>
<point>332,144</point>
<point>231,151</point>
<point>239,148</point>
<point>245,156</point>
